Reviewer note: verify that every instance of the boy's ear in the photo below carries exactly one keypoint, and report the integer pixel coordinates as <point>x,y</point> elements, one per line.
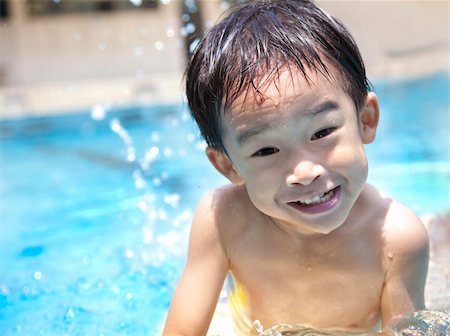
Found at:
<point>369,118</point>
<point>224,165</point>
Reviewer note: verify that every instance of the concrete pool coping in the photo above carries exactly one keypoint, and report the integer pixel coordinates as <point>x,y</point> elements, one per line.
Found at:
<point>42,99</point>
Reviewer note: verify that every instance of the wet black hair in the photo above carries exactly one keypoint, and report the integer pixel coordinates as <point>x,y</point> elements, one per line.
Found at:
<point>254,42</point>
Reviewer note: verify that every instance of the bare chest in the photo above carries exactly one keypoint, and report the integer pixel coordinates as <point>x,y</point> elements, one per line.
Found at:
<point>325,291</point>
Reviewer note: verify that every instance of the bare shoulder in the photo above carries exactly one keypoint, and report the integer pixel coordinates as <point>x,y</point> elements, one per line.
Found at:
<point>404,231</point>
<point>222,212</point>
<point>225,203</point>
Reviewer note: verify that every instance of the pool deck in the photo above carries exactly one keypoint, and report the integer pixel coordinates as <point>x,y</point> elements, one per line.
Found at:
<point>392,44</point>
<point>75,96</point>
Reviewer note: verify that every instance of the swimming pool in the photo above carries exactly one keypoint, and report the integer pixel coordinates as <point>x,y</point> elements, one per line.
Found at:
<point>96,206</point>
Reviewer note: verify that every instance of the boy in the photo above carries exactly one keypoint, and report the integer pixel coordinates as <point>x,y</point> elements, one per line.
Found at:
<point>279,91</point>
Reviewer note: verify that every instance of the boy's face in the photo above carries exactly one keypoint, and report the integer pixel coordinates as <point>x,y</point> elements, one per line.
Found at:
<point>299,151</point>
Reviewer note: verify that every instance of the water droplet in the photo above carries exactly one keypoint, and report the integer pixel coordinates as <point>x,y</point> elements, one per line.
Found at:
<point>224,5</point>
<point>142,205</point>
<point>139,182</point>
<point>129,253</point>
<point>170,32</point>
<point>98,112</point>
<point>185,17</point>
<point>115,125</point>
<point>190,28</point>
<point>83,284</point>
<point>173,200</point>
<point>159,45</point>
<point>147,235</point>
<point>169,239</point>
<point>201,146</point>
<point>70,314</point>
<point>131,156</point>
<point>4,290</point>
<point>37,275</point>
<point>258,326</point>
<point>183,32</point>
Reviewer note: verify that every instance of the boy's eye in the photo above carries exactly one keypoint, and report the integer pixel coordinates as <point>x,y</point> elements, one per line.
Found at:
<point>266,151</point>
<point>322,133</point>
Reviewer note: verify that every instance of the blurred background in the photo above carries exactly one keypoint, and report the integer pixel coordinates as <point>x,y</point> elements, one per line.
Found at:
<point>101,166</point>
<point>60,55</point>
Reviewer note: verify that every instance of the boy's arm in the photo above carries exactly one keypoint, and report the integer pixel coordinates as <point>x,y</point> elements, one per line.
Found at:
<point>196,296</point>
<point>406,252</point>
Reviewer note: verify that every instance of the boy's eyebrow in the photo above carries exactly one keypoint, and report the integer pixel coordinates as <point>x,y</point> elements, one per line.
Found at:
<point>325,107</point>
<point>243,137</point>
<point>247,134</point>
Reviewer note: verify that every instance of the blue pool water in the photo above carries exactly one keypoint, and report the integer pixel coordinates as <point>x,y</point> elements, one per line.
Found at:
<point>96,206</point>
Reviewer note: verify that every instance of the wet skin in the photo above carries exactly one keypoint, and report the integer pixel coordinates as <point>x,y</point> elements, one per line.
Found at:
<point>299,155</point>
<point>303,234</point>
<point>300,152</point>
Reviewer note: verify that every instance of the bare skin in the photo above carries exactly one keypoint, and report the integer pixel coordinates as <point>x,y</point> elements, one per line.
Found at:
<point>301,231</point>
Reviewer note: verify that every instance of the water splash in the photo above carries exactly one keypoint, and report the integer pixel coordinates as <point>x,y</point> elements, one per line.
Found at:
<point>166,217</point>
<point>290,330</point>
<point>421,323</point>
<point>116,127</point>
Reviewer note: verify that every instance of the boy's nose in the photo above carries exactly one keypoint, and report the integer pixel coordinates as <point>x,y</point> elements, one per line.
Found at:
<point>304,173</point>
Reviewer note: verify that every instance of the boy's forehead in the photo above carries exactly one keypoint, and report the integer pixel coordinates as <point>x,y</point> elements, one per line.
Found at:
<point>288,88</point>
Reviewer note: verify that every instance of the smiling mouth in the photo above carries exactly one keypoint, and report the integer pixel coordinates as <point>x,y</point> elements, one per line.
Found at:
<point>325,197</point>
<point>318,203</point>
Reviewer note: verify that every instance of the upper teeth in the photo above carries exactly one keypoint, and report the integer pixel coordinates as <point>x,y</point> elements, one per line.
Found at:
<point>325,197</point>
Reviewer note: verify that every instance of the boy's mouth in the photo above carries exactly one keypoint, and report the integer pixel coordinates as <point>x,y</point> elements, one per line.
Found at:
<point>318,203</point>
